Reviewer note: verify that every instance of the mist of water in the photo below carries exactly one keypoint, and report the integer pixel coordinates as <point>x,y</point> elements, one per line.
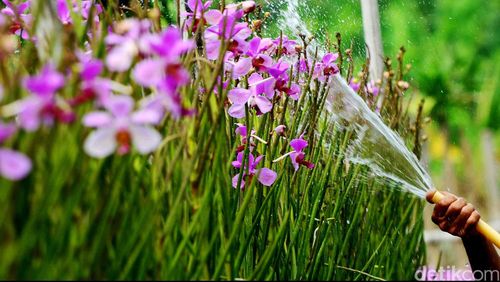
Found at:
<point>375,144</point>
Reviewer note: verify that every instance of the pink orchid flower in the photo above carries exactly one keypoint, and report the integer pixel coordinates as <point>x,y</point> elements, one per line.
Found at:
<point>258,96</point>
<point>127,42</point>
<point>287,45</point>
<point>21,19</point>
<point>228,29</point>
<point>355,84</point>
<point>297,156</point>
<point>266,176</point>
<point>199,14</point>
<point>326,67</point>
<point>79,7</point>
<point>283,83</point>
<point>118,128</point>
<point>41,106</point>
<point>260,61</point>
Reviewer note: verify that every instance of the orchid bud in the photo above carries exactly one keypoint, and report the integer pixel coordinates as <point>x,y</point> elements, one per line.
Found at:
<point>248,6</point>
<point>257,24</point>
<point>280,130</point>
<point>403,84</point>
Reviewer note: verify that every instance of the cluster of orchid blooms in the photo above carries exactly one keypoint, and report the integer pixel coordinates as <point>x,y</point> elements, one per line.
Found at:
<point>260,71</point>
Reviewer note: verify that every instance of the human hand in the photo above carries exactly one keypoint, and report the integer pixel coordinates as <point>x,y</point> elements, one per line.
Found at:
<point>454,215</point>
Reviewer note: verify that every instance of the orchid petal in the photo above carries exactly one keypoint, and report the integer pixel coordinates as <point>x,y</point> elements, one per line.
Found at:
<point>14,165</point>
<point>149,72</point>
<point>97,119</point>
<point>6,131</point>
<point>119,105</point>
<point>147,116</point>
<point>298,144</point>
<point>145,139</point>
<point>234,181</point>
<point>213,17</point>
<point>242,67</point>
<point>237,111</point>
<point>267,176</point>
<point>263,103</point>
<point>121,56</point>
<point>239,95</point>
<point>100,143</point>
<point>293,157</point>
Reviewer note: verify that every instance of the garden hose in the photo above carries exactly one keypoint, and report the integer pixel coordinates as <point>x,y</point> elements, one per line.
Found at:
<point>482,227</point>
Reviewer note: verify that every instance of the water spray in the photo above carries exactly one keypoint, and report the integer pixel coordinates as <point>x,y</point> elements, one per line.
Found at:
<point>381,149</point>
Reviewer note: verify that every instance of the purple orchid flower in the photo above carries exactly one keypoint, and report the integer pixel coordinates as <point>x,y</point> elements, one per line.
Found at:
<point>92,85</point>
<point>238,69</point>
<point>199,14</point>
<point>283,83</point>
<point>169,44</point>
<point>266,176</point>
<point>159,72</point>
<point>303,66</point>
<point>297,155</point>
<point>260,61</point>
<point>130,40</point>
<point>287,45</point>
<point>242,131</point>
<point>20,17</point>
<point>228,29</point>
<point>166,70</point>
<point>41,106</point>
<point>372,88</point>
<point>326,67</point>
<point>355,84</point>
<point>46,83</point>
<point>165,73</point>
<point>13,165</point>
<point>119,128</point>
<point>64,12</point>
<point>258,96</point>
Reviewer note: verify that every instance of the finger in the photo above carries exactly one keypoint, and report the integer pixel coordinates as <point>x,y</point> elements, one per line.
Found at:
<point>457,225</point>
<point>444,225</point>
<point>471,223</point>
<point>464,215</point>
<point>442,205</point>
<point>436,219</point>
<point>429,195</point>
<point>454,210</point>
